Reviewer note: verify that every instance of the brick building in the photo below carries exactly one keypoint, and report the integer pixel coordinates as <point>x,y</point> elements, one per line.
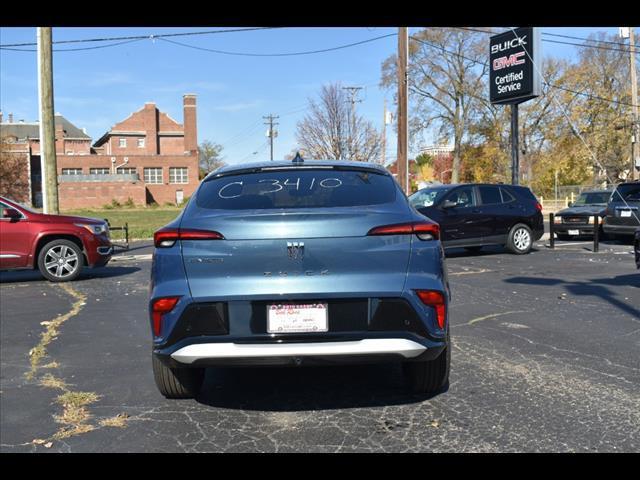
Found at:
<point>148,157</point>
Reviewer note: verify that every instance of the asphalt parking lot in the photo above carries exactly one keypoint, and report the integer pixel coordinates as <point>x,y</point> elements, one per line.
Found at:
<point>545,358</point>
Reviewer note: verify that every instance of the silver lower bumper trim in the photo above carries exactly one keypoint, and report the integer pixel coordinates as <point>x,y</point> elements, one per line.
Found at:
<point>105,250</point>
<point>203,351</point>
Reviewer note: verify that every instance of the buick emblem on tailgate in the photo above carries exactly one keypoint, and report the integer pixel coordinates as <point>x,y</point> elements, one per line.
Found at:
<point>295,250</point>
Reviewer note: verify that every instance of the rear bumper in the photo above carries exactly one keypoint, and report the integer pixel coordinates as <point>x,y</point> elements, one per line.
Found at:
<point>352,351</point>
<point>620,229</point>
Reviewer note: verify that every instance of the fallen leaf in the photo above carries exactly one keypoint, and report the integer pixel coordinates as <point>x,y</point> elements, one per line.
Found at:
<point>38,441</point>
<point>48,445</point>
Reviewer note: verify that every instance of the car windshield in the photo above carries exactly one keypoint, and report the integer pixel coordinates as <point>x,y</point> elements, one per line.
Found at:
<point>296,189</point>
<point>627,193</point>
<point>592,198</point>
<point>26,209</point>
<point>427,197</point>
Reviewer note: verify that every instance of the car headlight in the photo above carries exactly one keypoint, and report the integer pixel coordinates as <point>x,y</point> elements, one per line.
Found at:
<point>95,228</point>
<point>557,219</point>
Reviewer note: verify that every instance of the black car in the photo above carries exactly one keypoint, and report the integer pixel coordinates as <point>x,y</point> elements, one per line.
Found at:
<point>579,218</point>
<point>636,247</point>
<point>475,215</point>
<point>623,211</point>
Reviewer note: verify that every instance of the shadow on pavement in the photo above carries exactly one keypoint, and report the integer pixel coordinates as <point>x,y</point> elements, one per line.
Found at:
<point>459,252</point>
<point>290,389</point>
<point>590,287</point>
<point>87,274</point>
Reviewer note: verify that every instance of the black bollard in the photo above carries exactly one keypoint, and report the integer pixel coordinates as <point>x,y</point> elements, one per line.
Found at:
<point>552,240</point>
<point>596,232</point>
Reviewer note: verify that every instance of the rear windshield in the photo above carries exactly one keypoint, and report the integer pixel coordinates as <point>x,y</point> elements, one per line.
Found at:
<point>297,189</point>
<point>629,193</point>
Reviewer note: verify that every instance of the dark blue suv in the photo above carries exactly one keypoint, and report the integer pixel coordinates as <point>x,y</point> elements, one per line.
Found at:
<point>475,215</point>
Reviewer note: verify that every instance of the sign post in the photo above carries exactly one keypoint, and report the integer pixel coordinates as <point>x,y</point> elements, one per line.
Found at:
<point>513,79</point>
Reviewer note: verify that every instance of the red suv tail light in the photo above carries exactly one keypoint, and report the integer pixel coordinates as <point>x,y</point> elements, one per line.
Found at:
<point>166,237</point>
<point>538,206</point>
<point>424,230</point>
<point>435,299</point>
<point>160,306</point>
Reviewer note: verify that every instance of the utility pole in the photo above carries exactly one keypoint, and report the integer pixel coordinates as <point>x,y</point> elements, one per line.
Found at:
<point>384,134</point>
<point>403,131</point>
<point>635,126</point>
<point>271,133</point>
<point>48,162</point>
<point>353,91</point>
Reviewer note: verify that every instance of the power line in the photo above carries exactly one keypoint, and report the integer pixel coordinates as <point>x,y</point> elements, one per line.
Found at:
<point>625,50</point>
<point>546,83</point>
<point>288,54</point>
<point>150,37</point>
<point>72,49</point>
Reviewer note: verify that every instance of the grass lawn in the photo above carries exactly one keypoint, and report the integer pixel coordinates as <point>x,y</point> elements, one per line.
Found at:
<point>142,221</point>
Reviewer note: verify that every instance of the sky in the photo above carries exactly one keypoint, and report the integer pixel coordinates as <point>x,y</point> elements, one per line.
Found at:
<point>94,89</point>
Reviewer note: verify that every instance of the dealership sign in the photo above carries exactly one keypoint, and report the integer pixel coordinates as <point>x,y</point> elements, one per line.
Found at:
<point>515,66</point>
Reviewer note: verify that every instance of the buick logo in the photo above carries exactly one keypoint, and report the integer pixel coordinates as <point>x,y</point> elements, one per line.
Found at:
<point>295,250</point>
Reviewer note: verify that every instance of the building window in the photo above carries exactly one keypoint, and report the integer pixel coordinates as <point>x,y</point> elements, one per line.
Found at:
<point>122,143</point>
<point>153,175</point>
<point>126,170</point>
<point>71,171</point>
<point>99,171</point>
<point>141,143</point>
<point>178,175</point>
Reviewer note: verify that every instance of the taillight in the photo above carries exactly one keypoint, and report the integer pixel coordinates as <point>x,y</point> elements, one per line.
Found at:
<point>435,299</point>
<point>424,230</point>
<point>166,237</point>
<point>160,306</point>
<point>538,206</point>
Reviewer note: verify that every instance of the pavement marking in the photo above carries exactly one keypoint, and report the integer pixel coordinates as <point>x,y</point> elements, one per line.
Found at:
<point>75,415</point>
<point>122,258</point>
<point>470,272</point>
<point>487,317</point>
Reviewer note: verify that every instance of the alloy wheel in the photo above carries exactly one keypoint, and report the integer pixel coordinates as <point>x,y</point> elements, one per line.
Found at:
<point>522,239</point>
<point>61,261</point>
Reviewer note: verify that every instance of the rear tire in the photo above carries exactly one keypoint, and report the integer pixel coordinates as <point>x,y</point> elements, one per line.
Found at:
<point>430,376</point>
<point>520,239</point>
<point>177,382</point>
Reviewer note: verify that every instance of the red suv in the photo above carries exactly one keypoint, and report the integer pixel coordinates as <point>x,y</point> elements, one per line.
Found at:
<point>58,245</point>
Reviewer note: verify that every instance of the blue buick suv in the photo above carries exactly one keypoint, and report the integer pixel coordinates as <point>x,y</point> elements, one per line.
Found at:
<point>298,263</point>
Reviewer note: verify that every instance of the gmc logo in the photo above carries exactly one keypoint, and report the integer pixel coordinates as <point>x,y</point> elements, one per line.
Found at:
<point>516,42</point>
<point>505,62</point>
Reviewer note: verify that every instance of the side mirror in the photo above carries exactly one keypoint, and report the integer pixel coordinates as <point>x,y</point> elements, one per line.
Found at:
<point>448,204</point>
<point>11,213</point>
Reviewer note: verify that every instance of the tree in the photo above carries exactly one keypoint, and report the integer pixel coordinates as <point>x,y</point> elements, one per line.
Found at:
<point>445,77</point>
<point>325,133</point>
<point>210,157</point>
<point>14,179</point>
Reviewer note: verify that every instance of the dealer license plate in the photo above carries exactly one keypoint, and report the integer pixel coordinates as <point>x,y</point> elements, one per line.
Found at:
<point>574,232</point>
<point>625,213</point>
<point>297,318</point>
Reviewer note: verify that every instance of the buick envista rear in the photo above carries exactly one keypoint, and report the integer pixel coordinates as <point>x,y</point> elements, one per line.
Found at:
<point>298,263</point>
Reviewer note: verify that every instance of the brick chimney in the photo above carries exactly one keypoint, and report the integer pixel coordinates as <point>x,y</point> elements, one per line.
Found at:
<point>190,126</point>
<point>150,125</point>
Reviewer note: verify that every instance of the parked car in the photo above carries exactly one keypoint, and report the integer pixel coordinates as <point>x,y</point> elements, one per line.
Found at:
<point>58,245</point>
<point>475,215</point>
<point>623,211</point>
<point>298,263</point>
<point>636,247</point>
<point>579,218</point>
